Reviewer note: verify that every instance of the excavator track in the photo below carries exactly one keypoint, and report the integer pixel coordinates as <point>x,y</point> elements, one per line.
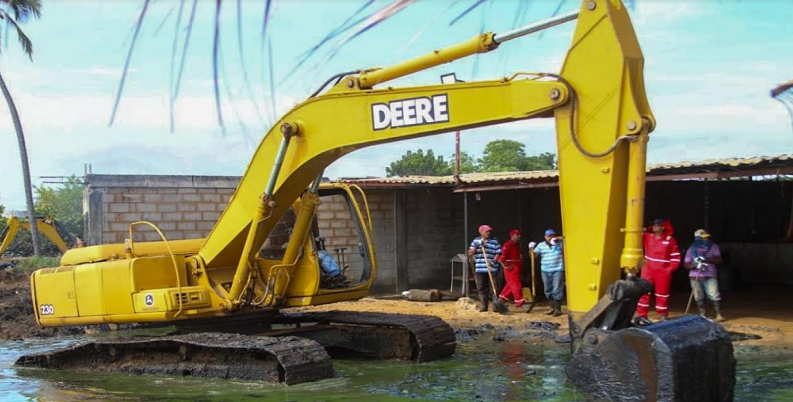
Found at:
<point>289,359</point>
<point>419,338</point>
<point>298,351</point>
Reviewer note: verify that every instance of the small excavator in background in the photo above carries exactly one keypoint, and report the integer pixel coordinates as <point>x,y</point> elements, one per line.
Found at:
<point>262,255</point>
<point>48,226</point>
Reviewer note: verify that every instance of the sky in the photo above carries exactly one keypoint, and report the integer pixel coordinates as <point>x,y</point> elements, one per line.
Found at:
<point>709,67</point>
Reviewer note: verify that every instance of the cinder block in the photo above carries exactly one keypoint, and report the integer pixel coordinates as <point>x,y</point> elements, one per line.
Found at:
<point>119,207</point>
<point>205,227</point>
<point>342,215</point>
<point>172,216</point>
<point>191,216</point>
<point>152,217</point>
<point>175,198</point>
<point>186,207</point>
<point>338,206</point>
<point>166,207</point>
<point>174,235</point>
<point>109,238</point>
<point>226,198</point>
<point>132,197</point>
<point>206,207</point>
<point>210,216</point>
<point>338,224</point>
<point>152,197</point>
<point>324,215</point>
<point>211,197</point>
<point>186,226</point>
<point>194,235</point>
<point>323,224</point>
<point>132,216</point>
<point>108,197</point>
<point>191,197</point>
<point>151,236</point>
<point>206,190</point>
<point>118,227</point>
<point>145,207</point>
<point>166,226</point>
<point>188,190</point>
<point>342,232</point>
<point>166,191</point>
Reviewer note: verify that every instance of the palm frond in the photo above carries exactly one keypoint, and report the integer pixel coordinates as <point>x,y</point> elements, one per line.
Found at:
<point>246,83</point>
<point>187,35</point>
<point>124,73</point>
<point>476,4</point>
<point>24,41</point>
<point>24,9</point>
<point>215,50</point>
<point>375,19</point>
<point>172,77</point>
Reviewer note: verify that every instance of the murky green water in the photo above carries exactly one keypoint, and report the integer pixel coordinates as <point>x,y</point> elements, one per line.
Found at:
<point>521,369</point>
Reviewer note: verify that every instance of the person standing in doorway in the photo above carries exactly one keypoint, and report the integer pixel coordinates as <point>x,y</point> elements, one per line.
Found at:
<point>483,261</point>
<point>551,253</point>
<point>661,259</point>
<point>512,261</point>
<point>701,260</point>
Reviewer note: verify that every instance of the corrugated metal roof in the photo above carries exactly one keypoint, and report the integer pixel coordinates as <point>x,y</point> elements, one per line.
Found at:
<point>704,166</point>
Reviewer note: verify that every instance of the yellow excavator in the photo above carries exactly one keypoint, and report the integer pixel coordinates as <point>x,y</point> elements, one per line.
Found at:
<point>229,279</point>
<point>46,225</point>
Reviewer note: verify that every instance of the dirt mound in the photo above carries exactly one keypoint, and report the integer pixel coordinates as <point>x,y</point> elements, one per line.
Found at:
<point>16,310</point>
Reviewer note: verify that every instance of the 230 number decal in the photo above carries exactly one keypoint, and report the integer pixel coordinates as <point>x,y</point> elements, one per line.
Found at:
<point>47,309</point>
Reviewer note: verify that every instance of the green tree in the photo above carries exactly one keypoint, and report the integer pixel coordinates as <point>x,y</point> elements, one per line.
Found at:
<point>13,13</point>
<point>468,164</point>
<point>64,203</point>
<point>419,163</point>
<point>543,161</point>
<point>510,156</point>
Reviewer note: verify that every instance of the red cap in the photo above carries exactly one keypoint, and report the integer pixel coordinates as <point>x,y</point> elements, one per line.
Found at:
<point>514,232</point>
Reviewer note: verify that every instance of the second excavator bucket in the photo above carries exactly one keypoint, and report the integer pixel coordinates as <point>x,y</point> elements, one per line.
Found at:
<point>686,359</point>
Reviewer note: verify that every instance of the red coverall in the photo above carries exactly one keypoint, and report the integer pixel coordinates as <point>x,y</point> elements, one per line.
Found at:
<point>662,258</point>
<point>512,258</point>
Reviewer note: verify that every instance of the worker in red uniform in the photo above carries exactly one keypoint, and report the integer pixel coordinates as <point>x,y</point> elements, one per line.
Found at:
<point>661,259</point>
<point>512,260</point>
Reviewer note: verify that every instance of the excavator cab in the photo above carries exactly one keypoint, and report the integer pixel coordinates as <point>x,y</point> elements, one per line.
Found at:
<point>338,258</point>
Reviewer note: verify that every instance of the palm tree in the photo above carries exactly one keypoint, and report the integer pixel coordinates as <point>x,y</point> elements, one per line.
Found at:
<point>13,13</point>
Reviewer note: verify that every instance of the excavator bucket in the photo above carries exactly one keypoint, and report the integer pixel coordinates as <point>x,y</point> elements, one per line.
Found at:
<point>686,359</point>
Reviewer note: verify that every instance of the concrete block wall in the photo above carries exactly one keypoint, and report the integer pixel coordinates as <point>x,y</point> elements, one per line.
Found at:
<point>182,207</point>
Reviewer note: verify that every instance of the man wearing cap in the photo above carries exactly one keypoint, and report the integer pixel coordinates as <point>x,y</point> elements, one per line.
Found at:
<point>492,250</point>
<point>513,265</point>
<point>661,259</point>
<point>551,255</point>
<point>701,260</point>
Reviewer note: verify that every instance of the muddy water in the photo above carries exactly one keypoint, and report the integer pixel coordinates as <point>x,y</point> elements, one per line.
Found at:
<point>523,368</point>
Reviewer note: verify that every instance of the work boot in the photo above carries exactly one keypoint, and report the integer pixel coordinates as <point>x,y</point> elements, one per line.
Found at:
<point>642,321</point>
<point>552,305</point>
<point>703,308</point>
<point>519,303</point>
<point>717,307</point>
<point>482,303</point>
<point>557,308</point>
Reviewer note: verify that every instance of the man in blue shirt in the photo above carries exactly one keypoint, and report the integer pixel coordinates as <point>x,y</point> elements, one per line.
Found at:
<point>483,260</point>
<point>552,266</point>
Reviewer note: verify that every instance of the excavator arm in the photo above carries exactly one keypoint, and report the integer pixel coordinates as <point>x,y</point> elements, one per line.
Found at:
<point>46,226</point>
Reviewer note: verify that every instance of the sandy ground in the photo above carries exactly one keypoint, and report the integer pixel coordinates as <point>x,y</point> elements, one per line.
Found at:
<point>763,312</point>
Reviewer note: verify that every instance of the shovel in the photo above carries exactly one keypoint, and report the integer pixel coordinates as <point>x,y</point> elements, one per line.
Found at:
<point>498,305</point>
<point>533,282</point>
